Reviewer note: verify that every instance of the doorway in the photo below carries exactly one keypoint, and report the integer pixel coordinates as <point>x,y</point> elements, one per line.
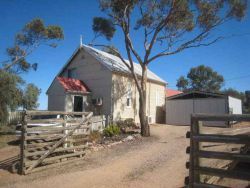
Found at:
<point>78,103</point>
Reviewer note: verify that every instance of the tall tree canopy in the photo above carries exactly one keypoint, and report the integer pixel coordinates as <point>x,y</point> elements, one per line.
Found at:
<point>168,27</point>
<point>201,78</point>
<point>33,35</point>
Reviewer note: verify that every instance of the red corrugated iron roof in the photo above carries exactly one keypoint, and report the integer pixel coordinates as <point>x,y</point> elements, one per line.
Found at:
<point>171,92</point>
<point>73,85</point>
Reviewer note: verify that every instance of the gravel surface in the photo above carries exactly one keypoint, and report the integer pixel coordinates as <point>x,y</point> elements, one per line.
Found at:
<point>157,161</point>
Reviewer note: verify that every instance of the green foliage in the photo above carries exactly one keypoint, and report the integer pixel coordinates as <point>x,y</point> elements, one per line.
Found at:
<point>182,84</point>
<point>12,96</point>
<point>104,27</point>
<point>240,95</point>
<point>118,7</point>
<point>171,17</point>
<point>30,97</point>
<point>36,32</point>
<point>234,93</point>
<point>33,34</point>
<point>201,78</point>
<point>27,40</point>
<point>10,93</point>
<point>237,8</point>
<point>54,32</point>
<point>111,130</point>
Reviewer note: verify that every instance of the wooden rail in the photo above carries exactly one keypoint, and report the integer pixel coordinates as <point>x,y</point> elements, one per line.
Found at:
<point>49,141</point>
<point>196,152</point>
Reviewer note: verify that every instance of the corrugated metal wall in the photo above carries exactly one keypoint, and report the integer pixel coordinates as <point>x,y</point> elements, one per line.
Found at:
<point>178,112</point>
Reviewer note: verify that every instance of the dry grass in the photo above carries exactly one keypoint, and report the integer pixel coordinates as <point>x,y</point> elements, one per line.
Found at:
<point>7,135</point>
<point>6,139</point>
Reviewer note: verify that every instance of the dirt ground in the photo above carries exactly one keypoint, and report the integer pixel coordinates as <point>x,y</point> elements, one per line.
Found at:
<point>158,161</point>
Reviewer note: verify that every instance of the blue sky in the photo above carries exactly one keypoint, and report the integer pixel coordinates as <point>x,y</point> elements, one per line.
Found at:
<point>230,57</point>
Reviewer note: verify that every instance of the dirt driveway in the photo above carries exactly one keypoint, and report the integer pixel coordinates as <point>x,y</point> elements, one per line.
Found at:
<point>158,161</point>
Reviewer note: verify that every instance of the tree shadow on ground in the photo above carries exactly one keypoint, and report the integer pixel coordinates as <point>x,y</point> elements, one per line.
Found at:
<point>14,143</point>
<point>7,133</point>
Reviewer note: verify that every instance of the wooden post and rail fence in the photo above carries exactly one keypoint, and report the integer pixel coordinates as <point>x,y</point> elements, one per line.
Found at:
<point>196,152</point>
<point>52,141</point>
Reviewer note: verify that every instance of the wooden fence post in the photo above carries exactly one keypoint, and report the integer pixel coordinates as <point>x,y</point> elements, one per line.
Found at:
<point>23,143</point>
<point>66,144</point>
<point>194,176</point>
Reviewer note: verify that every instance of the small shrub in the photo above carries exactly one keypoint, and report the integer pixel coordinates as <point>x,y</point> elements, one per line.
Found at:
<point>111,130</point>
<point>7,129</point>
<point>126,123</point>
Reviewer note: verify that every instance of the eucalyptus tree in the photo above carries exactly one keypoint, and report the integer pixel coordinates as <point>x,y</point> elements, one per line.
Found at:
<point>182,83</point>
<point>32,36</point>
<point>201,78</point>
<point>168,27</point>
<point>30,97</point>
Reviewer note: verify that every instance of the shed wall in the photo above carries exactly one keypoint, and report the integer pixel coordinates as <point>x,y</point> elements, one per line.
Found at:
<point>56,102</point>
<point>178,112</point>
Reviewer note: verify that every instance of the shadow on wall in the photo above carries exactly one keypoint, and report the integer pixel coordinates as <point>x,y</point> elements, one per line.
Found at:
<point>119,89</point>
<point>160,114</point>
<point>119,92</point>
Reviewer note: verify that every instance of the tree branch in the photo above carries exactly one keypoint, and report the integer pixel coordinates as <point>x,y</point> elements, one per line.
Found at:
<point>157,30</point>
<point>187,44</point>
<point>183,47</point>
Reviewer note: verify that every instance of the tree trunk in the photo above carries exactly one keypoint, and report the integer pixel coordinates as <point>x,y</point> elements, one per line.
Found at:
<point>142,104</point>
